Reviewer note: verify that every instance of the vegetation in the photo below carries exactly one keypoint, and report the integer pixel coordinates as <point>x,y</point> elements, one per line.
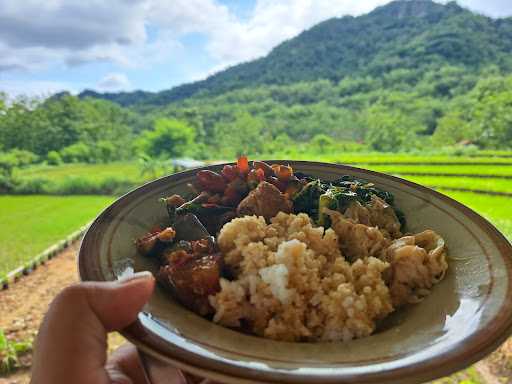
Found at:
<point>94,172</point>
<point>496,209</point>
<point>469,183</point>
<point>409,76</point>
<point>30,224</point>
<point>477,170</point>
<point>10,352</point>
<point>398,37</point>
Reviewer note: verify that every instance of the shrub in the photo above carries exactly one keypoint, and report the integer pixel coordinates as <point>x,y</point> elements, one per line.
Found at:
<point>116,186</point>
<point>169,139</point>
<point>6,184</point>
<point>54,158</point>
<point>7,164</point>
<point>32,186</point>
<point>322,142</point>
<point>23,157</point>
<point>76,185</point>
<point>103,152</point>
<point>76,153</point>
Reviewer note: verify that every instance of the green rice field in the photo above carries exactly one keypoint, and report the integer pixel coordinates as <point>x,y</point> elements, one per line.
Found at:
<point>474,170</point>
<point>30,224</point>
<point>93,172</point>
<point>479,184</point>
<point>496,209</point>
<point>385,158</point>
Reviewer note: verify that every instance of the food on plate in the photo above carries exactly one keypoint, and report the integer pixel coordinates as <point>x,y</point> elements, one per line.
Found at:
<point>287,256</point>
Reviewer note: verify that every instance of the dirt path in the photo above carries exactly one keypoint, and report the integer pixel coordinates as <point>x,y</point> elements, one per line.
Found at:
<point>24,304</point>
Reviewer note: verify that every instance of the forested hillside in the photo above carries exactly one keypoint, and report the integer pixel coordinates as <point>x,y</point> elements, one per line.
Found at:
<point>409,76</point>
<point>418,34</point>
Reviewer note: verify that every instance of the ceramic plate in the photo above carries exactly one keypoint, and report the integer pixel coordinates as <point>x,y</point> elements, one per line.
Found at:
<point>466,316</point>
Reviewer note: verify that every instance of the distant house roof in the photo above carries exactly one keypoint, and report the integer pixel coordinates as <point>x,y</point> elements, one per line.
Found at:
<point>187,163</point>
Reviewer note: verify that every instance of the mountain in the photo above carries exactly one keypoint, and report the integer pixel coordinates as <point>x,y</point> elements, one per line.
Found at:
<point>412,34</point>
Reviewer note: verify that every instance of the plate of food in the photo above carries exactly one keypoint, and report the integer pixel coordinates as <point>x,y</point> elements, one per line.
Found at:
<point>298,272</point>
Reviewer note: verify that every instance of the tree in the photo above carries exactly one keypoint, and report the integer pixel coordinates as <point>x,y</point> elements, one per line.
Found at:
<point>243,136</point>
<point>452,129</point>
<point>322,142</point>
<point>390,130</point>
<point>168,139</point>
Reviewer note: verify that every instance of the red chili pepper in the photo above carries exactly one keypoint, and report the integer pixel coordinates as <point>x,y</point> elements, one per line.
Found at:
<point>243,165</point>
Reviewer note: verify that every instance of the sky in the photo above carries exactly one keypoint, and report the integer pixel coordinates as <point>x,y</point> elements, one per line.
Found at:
<point>48,46</point>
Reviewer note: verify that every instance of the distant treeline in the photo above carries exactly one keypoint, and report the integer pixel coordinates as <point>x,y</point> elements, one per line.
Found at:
<point>403,110</point>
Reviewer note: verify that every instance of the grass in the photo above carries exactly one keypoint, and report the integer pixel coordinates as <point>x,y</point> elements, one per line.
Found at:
<point>10,352</point>
<point>474,183</point>
<point>375,157</point>
<point>409,158</point>
<point>93,172</point>
<point>445,169</point>
<point>496,209</point>
<point>30,224</point>
<point>466,376</point>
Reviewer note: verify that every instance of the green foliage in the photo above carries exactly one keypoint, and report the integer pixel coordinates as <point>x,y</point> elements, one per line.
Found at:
<point>168,139</point>
<point>322,142</point>
<point>51,125</point>
<point>76,153</point>
<point>6,184</point>
<point>390,131</point>
<point>54,158</point>
<point>104,151</point>
<point>77,179</point>
<point>38,185</point>
<point>152,167</point>
<point>15,158</point>
<point>10,352</point>
<point>71,185</point>
<point>245,135</point>
<point>392,43</point>
<point>7,164</point>
<point>401,78</point>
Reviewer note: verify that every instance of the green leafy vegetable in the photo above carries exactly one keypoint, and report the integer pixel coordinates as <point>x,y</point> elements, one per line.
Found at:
<point>337,195</point>
<point>308,198</point>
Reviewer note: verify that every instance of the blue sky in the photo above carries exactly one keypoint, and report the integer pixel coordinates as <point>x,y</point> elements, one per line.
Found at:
<point>52,45</point>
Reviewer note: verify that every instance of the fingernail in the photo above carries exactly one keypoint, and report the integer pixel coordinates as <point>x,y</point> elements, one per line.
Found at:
<point>136,276</point>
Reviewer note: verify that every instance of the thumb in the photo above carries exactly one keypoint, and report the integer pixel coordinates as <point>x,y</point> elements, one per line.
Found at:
<point>72,342</point>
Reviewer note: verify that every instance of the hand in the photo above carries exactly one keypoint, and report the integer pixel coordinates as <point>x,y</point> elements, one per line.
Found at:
<point>72,343</point>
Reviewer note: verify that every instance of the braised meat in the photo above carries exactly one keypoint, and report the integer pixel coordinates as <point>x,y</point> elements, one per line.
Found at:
<point>266,200</point>
<point>192,281</point>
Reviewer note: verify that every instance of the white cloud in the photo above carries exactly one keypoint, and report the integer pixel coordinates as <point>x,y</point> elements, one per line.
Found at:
<point>273,22</point>
<point>34,88</point>
<point>493,8</point>
<point>36,34</point>
<point>114,82</point>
